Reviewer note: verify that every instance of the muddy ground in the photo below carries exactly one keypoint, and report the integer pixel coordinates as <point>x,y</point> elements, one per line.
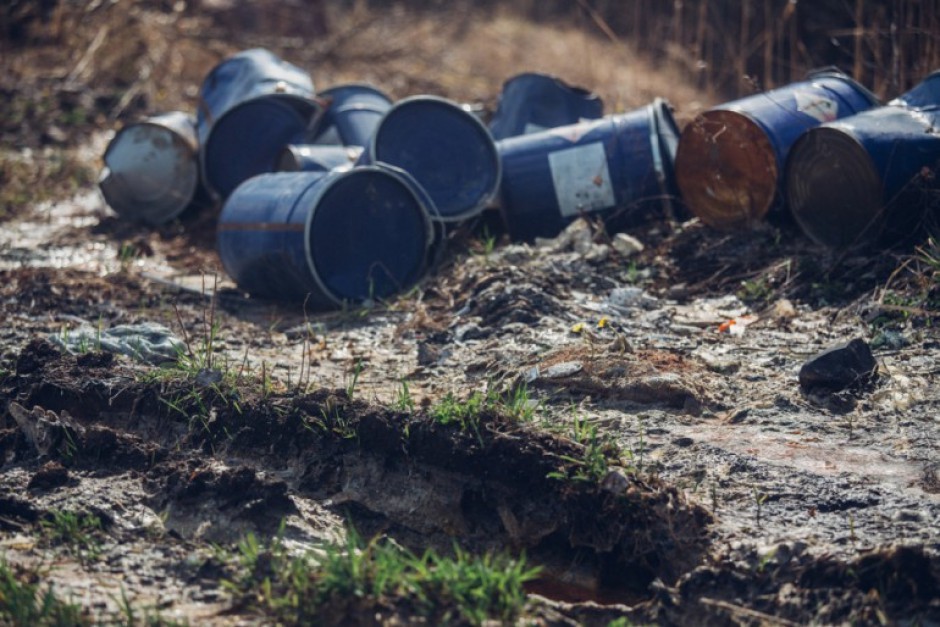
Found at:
<point>714,490</point>
<point>737,496</point>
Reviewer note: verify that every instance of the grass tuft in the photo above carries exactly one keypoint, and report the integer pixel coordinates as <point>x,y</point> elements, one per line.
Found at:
<point>297,589</point>
<point>25,603</point>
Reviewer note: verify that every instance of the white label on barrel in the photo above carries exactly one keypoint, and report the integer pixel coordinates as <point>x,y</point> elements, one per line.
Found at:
<point>582,180</point>
<point>816,105</point>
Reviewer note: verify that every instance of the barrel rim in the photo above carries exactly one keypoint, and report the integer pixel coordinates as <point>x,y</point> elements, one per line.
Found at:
<point>358,86</point>
<point>486,199</point>
<point>664,156</point>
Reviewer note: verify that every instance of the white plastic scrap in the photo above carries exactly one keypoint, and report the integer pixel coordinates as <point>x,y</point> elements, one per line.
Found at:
<point>629,298</point>
<point>148,342</point>
<point>627,245</point>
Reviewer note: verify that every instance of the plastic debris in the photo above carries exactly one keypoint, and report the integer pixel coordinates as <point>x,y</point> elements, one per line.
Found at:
<point>627,245</point>
<point>147,342</point>
<point>564,369</point>
<point>736,326</point>
<point>629,298</point>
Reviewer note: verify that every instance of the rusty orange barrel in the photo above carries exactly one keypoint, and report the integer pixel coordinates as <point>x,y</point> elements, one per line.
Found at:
<point>730,159</point>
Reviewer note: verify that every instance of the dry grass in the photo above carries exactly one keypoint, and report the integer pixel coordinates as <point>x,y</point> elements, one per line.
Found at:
<point>88,66</point>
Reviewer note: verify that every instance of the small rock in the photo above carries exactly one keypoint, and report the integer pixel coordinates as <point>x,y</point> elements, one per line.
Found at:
<point>840,367</point>
<point>721,365</point>
<point>908,515</point>
<point>889,339</point>
<point>783,310</point>
<point>54,135</point>
<point>615,482</point>
<point>598,253</point>
<point>630,298</point>
<point>469,331</point>
<point>516,253</point>
<point>207,377</point>
<point>581,237</point>
<point>564,369</point>
<point>428,354</point>
<point>627,245</point>
<point>51,475</point>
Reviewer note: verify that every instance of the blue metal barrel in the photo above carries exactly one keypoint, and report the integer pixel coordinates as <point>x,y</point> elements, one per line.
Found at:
<point>327,237</point>
<point>870,178</point>
<point>351,114</point>
<point>533,102</point>
<point>316,157</point>
<point>251,105</point>
<point>618,167</point>
<point>151,168</point>
<point>729,166</point>
<point>447,150</point>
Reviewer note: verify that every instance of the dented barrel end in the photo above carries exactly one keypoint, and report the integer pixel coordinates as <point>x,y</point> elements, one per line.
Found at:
<point>533,102</point>
<point>151,169</point>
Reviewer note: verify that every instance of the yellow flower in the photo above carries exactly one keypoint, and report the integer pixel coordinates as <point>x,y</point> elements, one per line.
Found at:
<point>577,328</point>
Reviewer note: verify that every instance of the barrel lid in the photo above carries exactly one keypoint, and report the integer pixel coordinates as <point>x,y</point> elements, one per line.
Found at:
<point>248,139</point>
<point>447,150</point>
<point>726,169</point>
<point>368,234</point>
<point>833,188</point>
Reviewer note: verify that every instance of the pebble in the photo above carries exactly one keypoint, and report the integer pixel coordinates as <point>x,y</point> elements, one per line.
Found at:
<point>627,245</point>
